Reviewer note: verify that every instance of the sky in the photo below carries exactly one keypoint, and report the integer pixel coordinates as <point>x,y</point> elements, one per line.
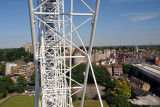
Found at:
<point>120,22</point>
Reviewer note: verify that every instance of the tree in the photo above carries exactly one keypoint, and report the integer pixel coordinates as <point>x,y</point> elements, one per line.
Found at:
<point>131,70</point>
<point>3,91</point>
<point>74,97</point>
<point>120,101</point>
<point>77,73</point>
<point>111,85</point>
<point>131,49</point>
<point>22,58</point>
<point>31,57</point>
<point>86,97</point>
<point>26,59</point>
<point>2,69</point>
<point>15,54</point>
<point>96,97</point>
<point>134,71</point>
<point>8,84</point>
<point>33,78</point>
<point>121,88</point>
<point>22,83</point>
<point>126,68</point>
<point>125,76</point>
<point>101,73</point>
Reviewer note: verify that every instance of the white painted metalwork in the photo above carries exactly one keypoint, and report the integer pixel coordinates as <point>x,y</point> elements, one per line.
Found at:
<point>54,41</point>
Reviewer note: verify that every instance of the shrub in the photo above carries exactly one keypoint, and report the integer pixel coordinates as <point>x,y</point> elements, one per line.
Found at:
<point>96,97</point>
<point>86,97</point>
<point>1,95</point>
<point>3,91</point>
<point>74,97</point>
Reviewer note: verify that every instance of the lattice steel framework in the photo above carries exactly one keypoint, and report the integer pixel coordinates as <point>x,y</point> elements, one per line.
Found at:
<point>51,48</point>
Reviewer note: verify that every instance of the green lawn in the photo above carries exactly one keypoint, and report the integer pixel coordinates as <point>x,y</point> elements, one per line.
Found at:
<point>28,101</point>
<point>90,103</point>
<point>19,101</point>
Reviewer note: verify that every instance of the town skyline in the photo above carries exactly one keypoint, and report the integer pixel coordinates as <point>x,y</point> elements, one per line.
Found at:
<point>119,23</point>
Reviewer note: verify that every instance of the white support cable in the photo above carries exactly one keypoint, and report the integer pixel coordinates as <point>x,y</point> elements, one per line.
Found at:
<point>62,38</point>
<point>87,6</point>
<point>51,29</point>
<point>78,35</point>
<point>94,78</point>
<point>73,14</point>
<point>80,39</point>
<point>62,57</point>
<point>74,80</point>
<point>40,5</point>
<point>76,92</point>
<point>89,54</point>
<point>73,67</point>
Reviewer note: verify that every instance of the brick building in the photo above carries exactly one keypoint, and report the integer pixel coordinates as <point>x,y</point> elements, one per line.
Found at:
<point>117,71</point>
<point>114,70</point>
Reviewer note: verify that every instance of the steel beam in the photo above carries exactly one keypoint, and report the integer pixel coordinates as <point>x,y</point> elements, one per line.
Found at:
<point>34,51</point>
<point>89,55</point>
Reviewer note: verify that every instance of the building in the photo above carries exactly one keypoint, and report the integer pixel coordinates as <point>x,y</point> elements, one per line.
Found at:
<point>16,68</point>
<point>9,67</point>
<point>114,70</point>
<point>157,61</point>
<point>77,53</point>
<point>136,61</point>
<point>137,83</point>
<point>136,49</point>
<point>109,68</point>
<point>108,52</point>
<point>19,65</point>
<point>153,101</point>
<point>96,56</point>
<point>117,71</point>
<point>28,47</point>
<point>25,69</point>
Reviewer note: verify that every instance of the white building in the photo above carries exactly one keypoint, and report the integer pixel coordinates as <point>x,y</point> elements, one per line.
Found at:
<point>8,68</point>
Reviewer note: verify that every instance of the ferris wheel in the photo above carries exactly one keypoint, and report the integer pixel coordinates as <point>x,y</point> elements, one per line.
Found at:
<point>53,52</point>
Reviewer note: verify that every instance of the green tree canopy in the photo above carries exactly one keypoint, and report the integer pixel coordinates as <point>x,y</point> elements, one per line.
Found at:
<point>126,68</point>
<point>15,54</point>
<point>120,101</point>
<point>131,70</point>
<point>2,69</point>
<point>101,73</point>
<point>3,90</point>
<point>134,71</point>
<point>8,84</point>
<point>121,88</point>
<point>22,83</point>
<point>33,78</point>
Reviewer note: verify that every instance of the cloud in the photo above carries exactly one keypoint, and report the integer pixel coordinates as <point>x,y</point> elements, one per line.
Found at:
<point>134,17</point>
<point>119,1</point>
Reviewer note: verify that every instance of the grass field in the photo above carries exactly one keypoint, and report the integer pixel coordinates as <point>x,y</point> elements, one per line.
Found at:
<point>19,101</point>
<point>28,101</point>
<point>90,103</point>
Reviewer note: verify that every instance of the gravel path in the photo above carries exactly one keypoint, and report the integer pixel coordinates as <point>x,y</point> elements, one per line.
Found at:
<point>91,91</point>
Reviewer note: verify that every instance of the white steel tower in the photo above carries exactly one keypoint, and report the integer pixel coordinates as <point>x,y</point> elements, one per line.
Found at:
<point>55,40</point>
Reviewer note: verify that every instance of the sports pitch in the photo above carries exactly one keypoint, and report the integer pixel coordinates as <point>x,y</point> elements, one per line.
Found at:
<point>28,101</point>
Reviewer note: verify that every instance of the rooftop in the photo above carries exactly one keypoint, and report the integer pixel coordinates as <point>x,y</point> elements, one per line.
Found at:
<point>152,68</point>
<point>147,100</point>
